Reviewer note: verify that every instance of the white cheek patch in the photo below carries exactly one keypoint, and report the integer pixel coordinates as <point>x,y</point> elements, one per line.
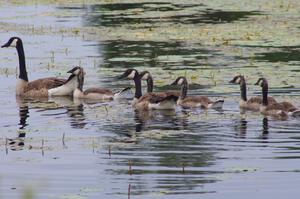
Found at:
<point>145,77</point>
<point>13,43</point>
<point>180,81</point>
<point>238,80</point>
<point>131,75</point>
<point>261,84</point>
<point>76,72</point>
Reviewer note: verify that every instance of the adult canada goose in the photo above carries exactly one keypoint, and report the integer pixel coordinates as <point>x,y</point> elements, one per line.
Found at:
<point>194,101</point>
<point>254,102</point>
<point>281,110</point>
<point>148,100</point>
<point>145,75</point>
<point>40,87</point>
<point>96,93</point>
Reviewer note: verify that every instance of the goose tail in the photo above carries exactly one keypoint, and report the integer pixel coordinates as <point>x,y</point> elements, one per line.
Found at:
<point>295,114</point>
<point>165,103</point>
<point>217,104</point>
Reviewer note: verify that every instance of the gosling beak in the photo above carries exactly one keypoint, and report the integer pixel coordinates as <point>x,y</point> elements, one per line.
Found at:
<point>173,83</point>
<point>123,76</point>
<point>231,81</point>
<point>73,69</point>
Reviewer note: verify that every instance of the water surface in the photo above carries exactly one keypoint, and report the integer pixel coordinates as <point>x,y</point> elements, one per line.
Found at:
<point>63,148</point>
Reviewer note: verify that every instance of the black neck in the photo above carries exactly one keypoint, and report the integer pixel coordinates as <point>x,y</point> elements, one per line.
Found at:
<point>243,90</point>
<point>22,65</point>
<point>184,88</point>
<point>265,94</point>
<point>150,84</point>
<point>80,82</point>
<point>138,86</point>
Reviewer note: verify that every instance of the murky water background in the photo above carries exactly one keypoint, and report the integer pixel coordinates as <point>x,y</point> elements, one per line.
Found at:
<point>60,148</point>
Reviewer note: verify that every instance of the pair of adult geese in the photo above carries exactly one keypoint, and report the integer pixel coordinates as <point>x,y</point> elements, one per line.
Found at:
<point>151,100</point>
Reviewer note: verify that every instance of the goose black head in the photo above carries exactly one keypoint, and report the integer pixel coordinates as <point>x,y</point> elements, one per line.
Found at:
<point>237,79</point>
<point>12,42</point>
<point>75,71</point>
<point>261,82</point>
<point>179,81</point>
<point>130,74</point>
<point>145,75</point>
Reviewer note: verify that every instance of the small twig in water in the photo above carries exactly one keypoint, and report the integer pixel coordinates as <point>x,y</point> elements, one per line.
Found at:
<point>130,171</point>
<point>109,151</point>
<point>6,149</point>
<point>42,147</point>
<point>63,140</point>
<point>183,167</point>
<point>93,143</point>
<point>106,110</point>
<point>129,191</point>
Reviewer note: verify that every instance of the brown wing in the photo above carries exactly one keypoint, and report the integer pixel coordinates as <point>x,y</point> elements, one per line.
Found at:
<point>146,97</point>
<point>103,91</point>
<point>284,106</point>
<point>196,101</point>
<point>175,93</point>
<point>258,100</point>
<point>287,106</point>
<point>45,83</point>
<point>271,100</point>
<point>253,100</point>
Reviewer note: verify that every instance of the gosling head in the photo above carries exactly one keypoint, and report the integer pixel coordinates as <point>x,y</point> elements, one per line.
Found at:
<point>261,82</point>
<point>237,79</point>
<point>129,74</point>
<point>76,70</point>
<point>145,75</point>
<point>179,81</point>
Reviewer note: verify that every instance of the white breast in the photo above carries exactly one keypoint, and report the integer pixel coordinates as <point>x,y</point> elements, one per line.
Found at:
<point>66,89</point>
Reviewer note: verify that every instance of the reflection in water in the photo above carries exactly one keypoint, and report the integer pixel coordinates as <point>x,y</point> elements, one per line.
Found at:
<point>159,119</point>
<point>73,111</point>
<point>122,53</point>
<point>174,160</point>
<point>241,128</point>
<point>265,128</point>
<point>286,55</point>
<point>24,114</point>
<point>17,143</point>
<point>161,13</point>
<point>76,115</point>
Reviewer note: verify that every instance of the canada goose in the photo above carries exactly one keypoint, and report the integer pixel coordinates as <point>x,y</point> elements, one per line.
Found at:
<point>96,93</point>
<point>281,109</point>
<point>194,101</point>
<point>145,75</point>
<point>148,100</point>
<point>254,102</point>
<point>40,87</point>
